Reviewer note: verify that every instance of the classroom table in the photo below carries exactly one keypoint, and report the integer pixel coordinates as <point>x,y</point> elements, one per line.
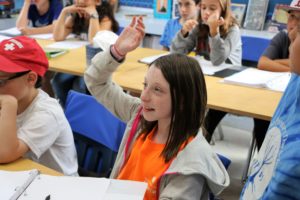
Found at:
<point>23,164</point>
<point>240,100</point>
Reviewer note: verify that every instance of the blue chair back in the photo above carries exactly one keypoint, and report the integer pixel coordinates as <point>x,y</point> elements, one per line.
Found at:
<point>97,133</point>
<point>253,48</point>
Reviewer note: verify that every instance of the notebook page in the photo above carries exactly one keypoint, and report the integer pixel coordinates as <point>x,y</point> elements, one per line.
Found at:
<point>208,68</point>
<point>252,77</point>
<point>64,188</point>
<point>150,59</point>
<point>13,183</point>
<point>279,84</point>
<point>126,190</point>
<point>11,31</point>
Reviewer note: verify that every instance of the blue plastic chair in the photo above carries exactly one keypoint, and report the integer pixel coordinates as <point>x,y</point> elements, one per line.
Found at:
<point>253,47</point>
<point>97,134</point>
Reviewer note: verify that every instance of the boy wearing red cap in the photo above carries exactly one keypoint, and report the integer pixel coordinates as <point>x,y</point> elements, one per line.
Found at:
<point>32,124</point>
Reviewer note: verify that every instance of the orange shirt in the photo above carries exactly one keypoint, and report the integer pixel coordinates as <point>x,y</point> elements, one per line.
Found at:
<point>145,164</point>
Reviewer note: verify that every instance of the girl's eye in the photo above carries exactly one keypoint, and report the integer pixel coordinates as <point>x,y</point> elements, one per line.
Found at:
<point>157,89</point>
<point>145,85</point>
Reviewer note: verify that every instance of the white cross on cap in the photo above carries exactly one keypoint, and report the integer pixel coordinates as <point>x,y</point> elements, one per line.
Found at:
<point>9,47</point>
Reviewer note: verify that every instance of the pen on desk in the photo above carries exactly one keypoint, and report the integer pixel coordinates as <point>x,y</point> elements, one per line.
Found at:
<point>47,197</point>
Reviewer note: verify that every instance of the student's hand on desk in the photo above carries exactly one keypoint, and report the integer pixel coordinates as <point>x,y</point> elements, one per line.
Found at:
<point>25,31</point>
<point>188,26</point>
<point>131,36</point>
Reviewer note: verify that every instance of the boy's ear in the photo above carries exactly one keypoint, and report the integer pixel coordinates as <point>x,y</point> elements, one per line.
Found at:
<point>32,78</point>
<point>98,2</point>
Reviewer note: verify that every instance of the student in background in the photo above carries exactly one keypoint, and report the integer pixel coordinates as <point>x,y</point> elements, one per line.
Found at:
<point>161,145</point>
<point>276,172</point>
<point>32,124</point>
<point>187,10</point>
<point>84,18</point>
<point>215,34</point>
<point>275,57</point>
<point>41,13</point>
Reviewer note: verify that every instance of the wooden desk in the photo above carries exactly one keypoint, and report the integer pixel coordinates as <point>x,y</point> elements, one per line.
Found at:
<point>246,101</point>
<point>26,164</point>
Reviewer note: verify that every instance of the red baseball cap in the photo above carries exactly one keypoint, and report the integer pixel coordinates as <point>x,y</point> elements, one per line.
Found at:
<point>295,5</point>
<point>21,54</point>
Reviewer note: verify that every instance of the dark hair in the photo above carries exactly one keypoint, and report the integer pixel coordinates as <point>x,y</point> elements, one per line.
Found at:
<point>197,1</point>
<point>189,99</point>
<point>104,10</point>
<point>38,82</point>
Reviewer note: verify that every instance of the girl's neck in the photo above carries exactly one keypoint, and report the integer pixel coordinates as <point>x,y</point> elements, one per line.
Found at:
<point>161,133</point>
<point>43,8</point>
<point>26,101</point>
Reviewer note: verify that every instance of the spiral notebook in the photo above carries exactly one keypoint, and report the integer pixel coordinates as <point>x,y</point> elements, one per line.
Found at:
<point>32,185</point>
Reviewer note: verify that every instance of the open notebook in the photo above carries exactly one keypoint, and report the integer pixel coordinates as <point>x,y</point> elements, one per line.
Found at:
<point>252,77</point>
<point>32,185</point>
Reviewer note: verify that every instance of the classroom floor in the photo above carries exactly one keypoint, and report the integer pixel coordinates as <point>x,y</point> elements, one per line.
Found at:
<point>235,145</point>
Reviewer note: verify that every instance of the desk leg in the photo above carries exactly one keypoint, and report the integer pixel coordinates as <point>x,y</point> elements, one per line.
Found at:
<point>249,157</point>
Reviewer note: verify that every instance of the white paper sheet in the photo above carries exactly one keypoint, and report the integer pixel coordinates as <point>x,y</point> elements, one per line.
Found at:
<point>11,31</point>
<point>62,188</point>
<point>2,37</point>
<point>68,44</point>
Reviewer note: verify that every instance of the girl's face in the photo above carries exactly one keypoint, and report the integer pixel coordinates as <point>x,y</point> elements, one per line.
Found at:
<point>295,52</point>
<point>187,9</point>
<point>87,3</point>
<point>39,2</point>
<point>210,7</point>
<point>156,97</point>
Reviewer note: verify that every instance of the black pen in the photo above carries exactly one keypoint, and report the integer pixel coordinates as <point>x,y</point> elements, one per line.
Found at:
<point>47,197</point>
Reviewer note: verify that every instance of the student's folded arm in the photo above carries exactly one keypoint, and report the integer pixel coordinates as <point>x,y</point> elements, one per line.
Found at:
<point>11,148</point>
<point>268,64</point>
<point>221,48</point>
<point>184,45</point>
<point>22,20</point>
<point>63,26</point>
<point>37,30</point>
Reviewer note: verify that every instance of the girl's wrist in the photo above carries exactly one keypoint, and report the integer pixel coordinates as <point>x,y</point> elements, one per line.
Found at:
<point>116,53</point>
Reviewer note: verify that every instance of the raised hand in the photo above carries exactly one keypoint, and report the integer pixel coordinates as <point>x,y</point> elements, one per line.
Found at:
<point>131,36</point>
<point>188,26</point>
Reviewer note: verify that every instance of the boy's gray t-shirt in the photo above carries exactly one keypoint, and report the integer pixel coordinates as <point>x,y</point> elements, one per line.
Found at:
<point>278,47</point>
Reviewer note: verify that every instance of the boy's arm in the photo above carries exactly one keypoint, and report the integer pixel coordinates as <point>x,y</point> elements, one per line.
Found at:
<point>11,148</point>
<point>278,65</point>
<point>22,20</point>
